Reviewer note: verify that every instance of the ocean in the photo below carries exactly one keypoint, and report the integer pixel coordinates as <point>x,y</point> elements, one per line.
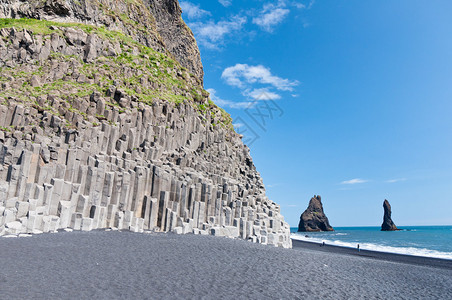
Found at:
<point>429,241</point>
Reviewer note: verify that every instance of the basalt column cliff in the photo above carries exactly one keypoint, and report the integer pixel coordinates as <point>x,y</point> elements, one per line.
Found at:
<point>105,124</point>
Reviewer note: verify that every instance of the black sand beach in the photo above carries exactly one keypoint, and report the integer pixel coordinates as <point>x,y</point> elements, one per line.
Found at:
<point>399,258</point>
<point>124,265</point>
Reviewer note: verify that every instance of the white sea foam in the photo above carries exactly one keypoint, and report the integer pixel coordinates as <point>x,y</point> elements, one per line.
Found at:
<point>380,248</point>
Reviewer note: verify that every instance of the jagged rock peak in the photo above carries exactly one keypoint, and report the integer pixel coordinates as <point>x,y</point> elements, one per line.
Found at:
<point>388,224</point>
<point>313,218</point>
<point>154,23</point>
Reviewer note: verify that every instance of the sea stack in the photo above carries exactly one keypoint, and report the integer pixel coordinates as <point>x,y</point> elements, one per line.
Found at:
<point>388,224</point>
<point>313,218</point>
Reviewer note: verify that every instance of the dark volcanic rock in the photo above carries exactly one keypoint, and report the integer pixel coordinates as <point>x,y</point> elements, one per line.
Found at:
<point>388,224</point>
<point>155,23</point>
<point>313,218</point>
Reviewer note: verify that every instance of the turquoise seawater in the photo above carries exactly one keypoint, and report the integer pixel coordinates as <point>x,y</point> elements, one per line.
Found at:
<point>430,241</point>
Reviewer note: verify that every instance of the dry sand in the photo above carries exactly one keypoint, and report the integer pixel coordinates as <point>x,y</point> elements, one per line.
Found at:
<point>124,265</point>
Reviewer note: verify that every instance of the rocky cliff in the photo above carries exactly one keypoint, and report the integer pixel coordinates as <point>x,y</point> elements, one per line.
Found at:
<point>153,23</point>
<point>104,123</point>
<point>313,218</point>
<point>388,224</point>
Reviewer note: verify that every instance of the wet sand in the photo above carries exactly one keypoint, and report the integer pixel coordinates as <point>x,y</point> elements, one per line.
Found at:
<point>124,265</point>
<point>393,257</point>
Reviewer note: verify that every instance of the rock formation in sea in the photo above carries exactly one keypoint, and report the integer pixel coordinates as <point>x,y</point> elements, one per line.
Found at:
<point>388,224</point>
<point>104,123</point>
<point>313,218</point>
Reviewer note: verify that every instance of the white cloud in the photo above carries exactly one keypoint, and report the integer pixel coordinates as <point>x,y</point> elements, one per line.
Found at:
<point>263,94</point>
<point>242,74</point>
<point>272,185</point>
<point>227,103</point>
<point>355,181</point>
<point>299,5</point>
<point>271,15</point>
<point>212,34</point>
<point>193,11</point>
<point>225,3</point>
<point>396,180</point>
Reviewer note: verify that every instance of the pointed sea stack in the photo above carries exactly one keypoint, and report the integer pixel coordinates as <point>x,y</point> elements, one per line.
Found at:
<point>388,224</point>
<point>313,218</point>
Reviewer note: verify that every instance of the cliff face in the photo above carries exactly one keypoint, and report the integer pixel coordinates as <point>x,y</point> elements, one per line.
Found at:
<point>388,224</point>
<point>99,130</point>
<point>313,218</point>
<point>153,23</point>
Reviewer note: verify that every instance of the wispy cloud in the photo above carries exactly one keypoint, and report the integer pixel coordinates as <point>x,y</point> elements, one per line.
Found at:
<point>271,15</point>
<point>242,74</point>
<point>301,5</point>
<point>212,34</point>
<point>225,3</point>
<point>193,11</point>
<point>227,103</point>
<point>262,94</point>
<point>355,181</point>
<point>396,180</point>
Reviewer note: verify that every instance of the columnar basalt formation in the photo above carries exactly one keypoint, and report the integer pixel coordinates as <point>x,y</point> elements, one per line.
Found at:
<point>313,218</point>
<point>98,130</point>
<point>388,224</point>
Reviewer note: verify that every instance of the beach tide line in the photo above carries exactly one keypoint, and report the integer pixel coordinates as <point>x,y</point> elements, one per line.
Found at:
<point>423,252</point>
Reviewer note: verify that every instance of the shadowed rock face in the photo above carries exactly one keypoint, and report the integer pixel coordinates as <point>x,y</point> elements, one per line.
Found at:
<point>313,218</point>
<point>388,224</point>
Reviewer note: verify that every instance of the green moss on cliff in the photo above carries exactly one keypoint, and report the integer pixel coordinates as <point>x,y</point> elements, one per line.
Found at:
<point>44,27</point>
<point>140,72</point>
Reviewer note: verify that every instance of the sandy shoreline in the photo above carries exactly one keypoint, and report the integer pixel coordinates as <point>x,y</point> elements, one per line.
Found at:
<point>393,257</point>
<point>124,265</point>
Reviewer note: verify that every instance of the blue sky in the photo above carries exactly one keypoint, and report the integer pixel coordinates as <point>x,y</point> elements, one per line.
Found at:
<point>350,100</point>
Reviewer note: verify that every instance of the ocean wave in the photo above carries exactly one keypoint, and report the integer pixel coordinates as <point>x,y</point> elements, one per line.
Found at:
<point>379,248</point>
<point>341,233</point>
